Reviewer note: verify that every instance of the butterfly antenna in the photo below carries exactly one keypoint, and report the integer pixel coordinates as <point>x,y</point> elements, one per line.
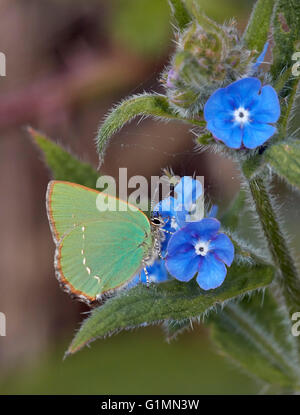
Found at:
<point>155,193</point>
<point>153,200</point>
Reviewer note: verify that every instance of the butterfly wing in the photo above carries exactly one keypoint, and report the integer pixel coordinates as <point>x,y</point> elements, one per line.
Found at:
<point>96,251</point>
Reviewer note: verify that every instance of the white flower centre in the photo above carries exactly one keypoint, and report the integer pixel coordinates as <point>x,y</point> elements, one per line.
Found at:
<point>202,248</point>
<point>241,116</point>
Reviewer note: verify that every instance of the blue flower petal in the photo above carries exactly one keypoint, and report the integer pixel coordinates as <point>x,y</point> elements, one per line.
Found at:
<point>166,207</point>
<point>165,242</point>
<point>212,272</point>
<point>157,273</point>
<point>204,230</point>
<point>184,266</point>
<point>223,248</point>
<point>219,102</point>
<point>267,108</point>
<point>188,190</point>
<point>235,138</point>
<point>179,239</point>
<point>244,91</point>
<point>232,137</point>
<point>216,132</point>
<point>220,123</point>
<point>213,211</point>
<point>256,134</point>
<point>182,216</point>
<point>261,57</point>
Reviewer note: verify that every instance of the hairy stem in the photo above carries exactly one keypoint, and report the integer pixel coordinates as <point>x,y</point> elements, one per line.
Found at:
<point>278,245</point>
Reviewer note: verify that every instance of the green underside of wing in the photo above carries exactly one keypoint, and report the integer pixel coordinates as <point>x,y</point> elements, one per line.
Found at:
<point>96,251</point>
<point>107,257</point>
<point>70,204</point>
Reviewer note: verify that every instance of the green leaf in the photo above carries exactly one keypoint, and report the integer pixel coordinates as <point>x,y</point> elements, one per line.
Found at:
<point>180,13</point>
<point>256,335</point>
<point>293,119</point>
<point>154,105</point>
<point>62,164</point>
<point>173,328</point>
<point>284,158</point>
<point>287,88</point>
<point>256,33</point>
<point>172,300</point>
<point>286,33</point>
<point>205,139</point>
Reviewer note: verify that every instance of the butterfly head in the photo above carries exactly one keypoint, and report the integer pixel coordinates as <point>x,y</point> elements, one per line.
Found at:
<point>158,222</point>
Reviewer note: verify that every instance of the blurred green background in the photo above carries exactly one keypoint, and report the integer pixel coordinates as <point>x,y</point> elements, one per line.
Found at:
<point>68,62</point>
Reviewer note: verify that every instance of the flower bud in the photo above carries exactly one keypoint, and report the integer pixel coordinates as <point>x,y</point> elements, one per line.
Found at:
<point>208,56</point>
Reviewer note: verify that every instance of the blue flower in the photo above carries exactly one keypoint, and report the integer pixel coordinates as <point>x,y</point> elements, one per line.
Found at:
<point>176,211</point>
<point>157,273</point>
<point>242,113</point>
<point>199,249</point>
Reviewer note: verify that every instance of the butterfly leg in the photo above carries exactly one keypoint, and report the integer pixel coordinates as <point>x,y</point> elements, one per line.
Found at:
<point>158,244</point>
<point>161,256</point>
<point>164,230</point>
<point>147,275</point>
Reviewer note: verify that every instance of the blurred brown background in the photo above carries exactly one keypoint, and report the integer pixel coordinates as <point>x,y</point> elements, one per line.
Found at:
<point>68,62</point>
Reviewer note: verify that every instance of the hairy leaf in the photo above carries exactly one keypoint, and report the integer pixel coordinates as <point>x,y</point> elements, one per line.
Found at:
<point>293,119</point>
<point>284,158</point>
<point>286,33</point>
<point>140,105</point>
<point>63,165</point>
<point>173,328</point>
<point>256,33</point>
<point>172,300</point>
<point>256,335</point>
<point>289,116</point>
<point>205,139</point>
<point>180,13</point>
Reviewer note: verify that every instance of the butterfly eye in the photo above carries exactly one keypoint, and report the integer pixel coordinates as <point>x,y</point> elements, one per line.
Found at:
<point>157,222</point>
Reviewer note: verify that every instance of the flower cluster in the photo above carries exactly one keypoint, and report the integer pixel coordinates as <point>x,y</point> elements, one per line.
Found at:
<point>175,211</point>
<point>191,247</point>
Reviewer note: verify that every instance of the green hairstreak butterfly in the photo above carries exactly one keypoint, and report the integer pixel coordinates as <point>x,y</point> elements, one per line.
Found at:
<point>97,251</point>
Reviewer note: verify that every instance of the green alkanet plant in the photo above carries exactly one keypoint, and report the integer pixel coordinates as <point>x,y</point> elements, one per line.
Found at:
<point>215,83</point>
